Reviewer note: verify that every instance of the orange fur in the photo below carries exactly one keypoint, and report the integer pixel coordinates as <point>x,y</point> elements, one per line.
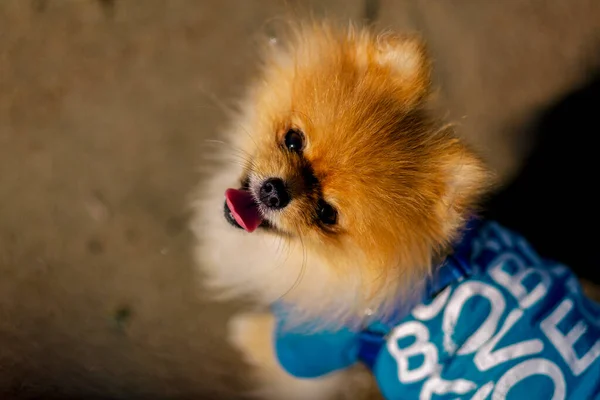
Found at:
<point>401,181</point>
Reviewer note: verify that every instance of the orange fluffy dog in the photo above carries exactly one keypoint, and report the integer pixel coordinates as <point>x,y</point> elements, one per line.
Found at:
<point>348,192</point>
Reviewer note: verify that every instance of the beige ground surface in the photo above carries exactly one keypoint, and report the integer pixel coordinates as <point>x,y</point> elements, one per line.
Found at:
<point>104,111</point>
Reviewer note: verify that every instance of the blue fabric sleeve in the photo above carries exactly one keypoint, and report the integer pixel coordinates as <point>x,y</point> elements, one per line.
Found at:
<point>304,354</point>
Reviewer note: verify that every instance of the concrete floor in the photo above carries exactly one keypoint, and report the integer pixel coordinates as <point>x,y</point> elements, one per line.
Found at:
<point>105,107</point>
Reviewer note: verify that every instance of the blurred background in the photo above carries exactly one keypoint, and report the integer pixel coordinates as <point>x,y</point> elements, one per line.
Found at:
<point>105,106</point>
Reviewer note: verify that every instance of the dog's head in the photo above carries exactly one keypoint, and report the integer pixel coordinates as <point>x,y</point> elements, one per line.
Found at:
<point>342,159</point>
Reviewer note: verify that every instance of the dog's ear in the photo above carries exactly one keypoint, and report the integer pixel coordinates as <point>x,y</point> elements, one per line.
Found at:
<point>467,179</point>
<point>407,58</point>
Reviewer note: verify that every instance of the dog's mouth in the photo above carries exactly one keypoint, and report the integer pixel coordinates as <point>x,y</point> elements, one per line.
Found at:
<point>242,211</point>
<point>229,216</point>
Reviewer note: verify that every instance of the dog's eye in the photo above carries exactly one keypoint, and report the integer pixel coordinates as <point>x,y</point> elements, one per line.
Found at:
<point>327,214</point>
<point>294,140</point>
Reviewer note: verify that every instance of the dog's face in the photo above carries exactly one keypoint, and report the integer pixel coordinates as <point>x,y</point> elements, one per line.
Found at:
<point>340,156</point>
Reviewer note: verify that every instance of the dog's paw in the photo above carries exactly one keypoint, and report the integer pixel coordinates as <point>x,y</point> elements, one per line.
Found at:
<point>252,335</point>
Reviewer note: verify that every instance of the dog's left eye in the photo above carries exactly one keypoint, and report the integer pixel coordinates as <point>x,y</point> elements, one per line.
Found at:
<point>327,214</point>
<point>294,140</point>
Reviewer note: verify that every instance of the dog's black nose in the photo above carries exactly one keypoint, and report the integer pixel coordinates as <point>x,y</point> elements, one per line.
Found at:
<point>274,194</point>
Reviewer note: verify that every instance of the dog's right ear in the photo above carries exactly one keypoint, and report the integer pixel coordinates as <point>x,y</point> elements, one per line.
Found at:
<point>407,58</point>
<point>467,179</point>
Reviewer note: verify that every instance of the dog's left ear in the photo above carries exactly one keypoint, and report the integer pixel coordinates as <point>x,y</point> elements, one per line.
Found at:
<point>467,179</point>
<point>409,63</point>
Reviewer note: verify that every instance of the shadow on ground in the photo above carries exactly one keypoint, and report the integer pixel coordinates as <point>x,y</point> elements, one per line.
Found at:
<point>553,200</point>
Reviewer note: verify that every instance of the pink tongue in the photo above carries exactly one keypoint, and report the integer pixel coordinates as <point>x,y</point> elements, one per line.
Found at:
<point>243,208</point>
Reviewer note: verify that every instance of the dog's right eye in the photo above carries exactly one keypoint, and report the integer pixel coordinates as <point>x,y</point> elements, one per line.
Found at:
<point>327,214</point>
<point>294,140</point>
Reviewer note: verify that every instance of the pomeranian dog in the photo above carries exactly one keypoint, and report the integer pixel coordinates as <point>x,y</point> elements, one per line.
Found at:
<point>347,212</point>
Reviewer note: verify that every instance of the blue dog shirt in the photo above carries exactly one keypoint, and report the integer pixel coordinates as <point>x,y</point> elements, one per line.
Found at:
<point>496,322</point>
